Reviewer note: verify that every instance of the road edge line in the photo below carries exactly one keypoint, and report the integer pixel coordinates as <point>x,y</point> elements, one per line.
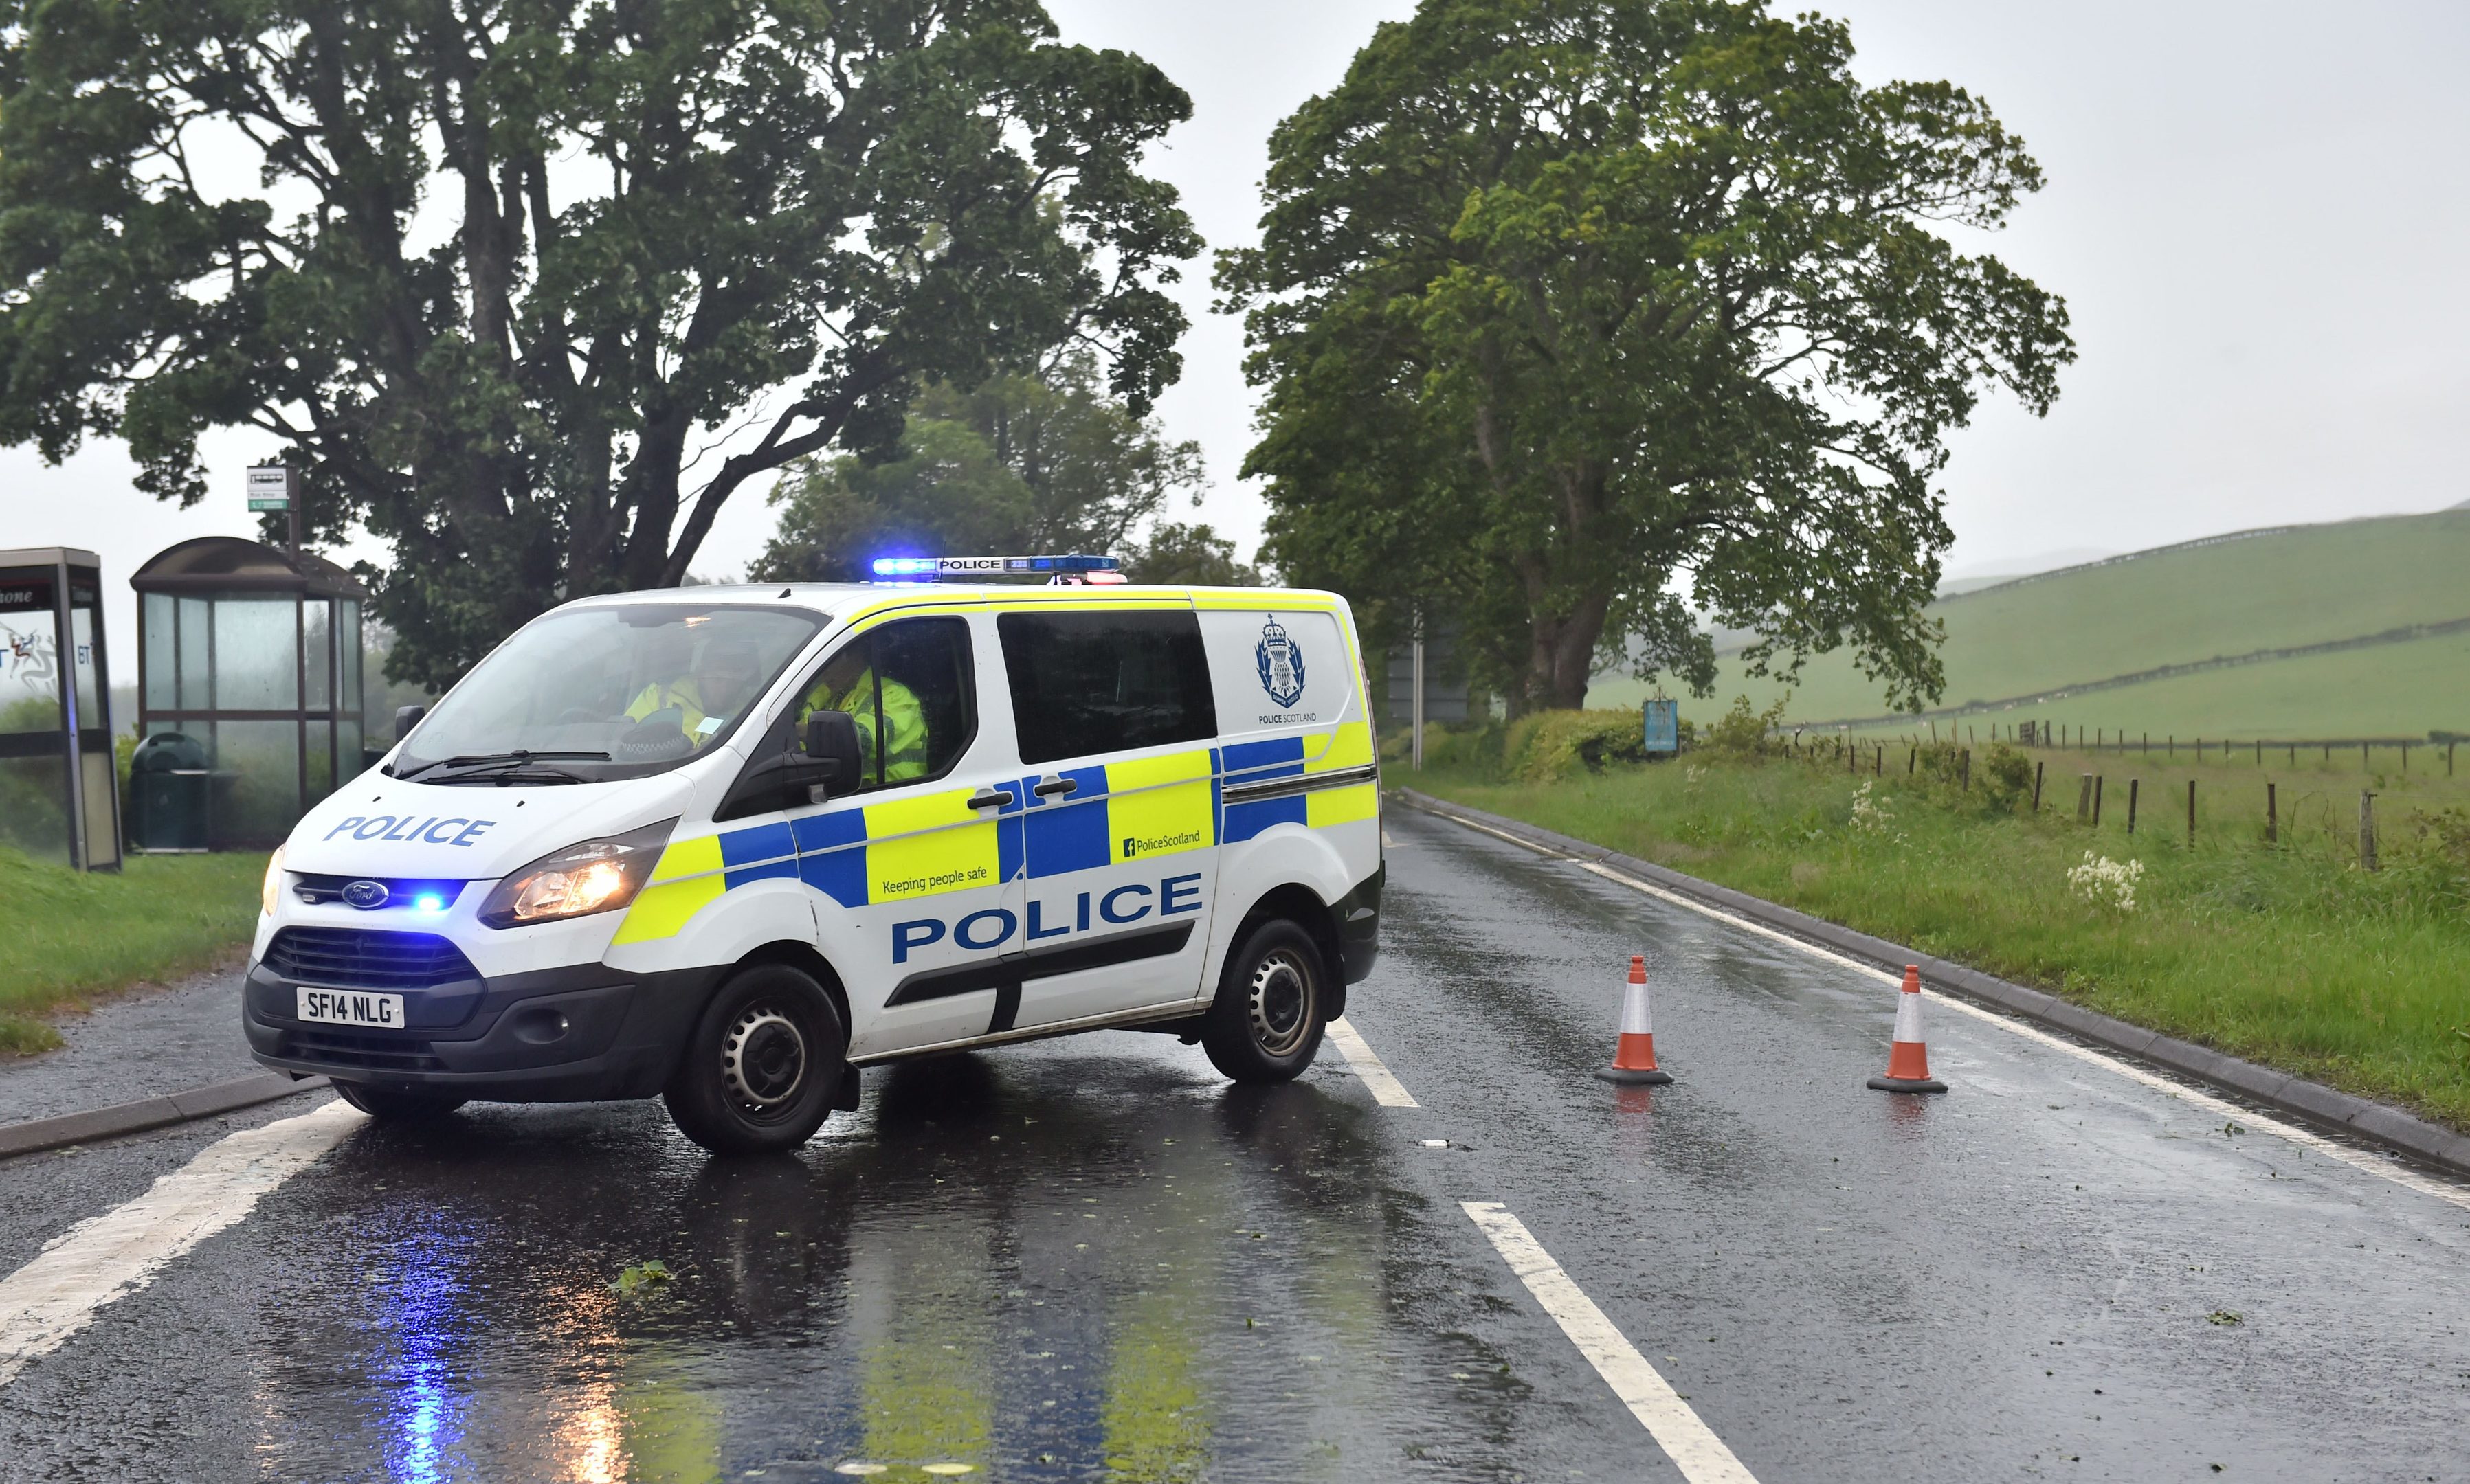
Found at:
<point>1670,1420</point>
<point>36,1135</point>
<point>1374,1073</point>
<point>2374,1122</point>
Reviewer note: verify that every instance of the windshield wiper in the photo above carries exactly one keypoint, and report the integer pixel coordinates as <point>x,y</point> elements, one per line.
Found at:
<point>482,761</point>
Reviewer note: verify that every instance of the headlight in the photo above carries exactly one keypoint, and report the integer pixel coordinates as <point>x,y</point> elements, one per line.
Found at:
<point>272,887</point>
<point>598,875</point>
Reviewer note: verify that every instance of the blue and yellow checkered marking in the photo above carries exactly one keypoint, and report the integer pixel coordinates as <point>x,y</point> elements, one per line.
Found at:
<point>930,844</point>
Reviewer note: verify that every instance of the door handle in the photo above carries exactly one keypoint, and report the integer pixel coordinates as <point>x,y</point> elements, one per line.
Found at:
<point>1051,785</point>
<point>997,798</point>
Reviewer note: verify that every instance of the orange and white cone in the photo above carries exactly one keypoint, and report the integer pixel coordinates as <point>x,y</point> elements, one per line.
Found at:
<point>1634,1059</point>
<point>1908,1055</point>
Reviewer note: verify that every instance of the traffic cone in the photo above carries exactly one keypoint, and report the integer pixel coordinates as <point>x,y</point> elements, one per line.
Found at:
<point>1634,1060</point>
<point>1908,1055</point>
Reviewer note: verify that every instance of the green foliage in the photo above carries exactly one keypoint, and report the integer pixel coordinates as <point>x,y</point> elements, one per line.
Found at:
<point>2006,775</point>
<point>1744,732</point>
<point>531,291</point>
<point>1559,301</point>
<point>1543,747</point>
<point>2285,954</point>
<point>1023,463</point>
<point>78,934</point>
<point>1188,556</point>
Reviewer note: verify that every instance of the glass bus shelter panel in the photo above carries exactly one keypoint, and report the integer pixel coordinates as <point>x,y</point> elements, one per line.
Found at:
<point>257,781</point>
<point>256,654</point>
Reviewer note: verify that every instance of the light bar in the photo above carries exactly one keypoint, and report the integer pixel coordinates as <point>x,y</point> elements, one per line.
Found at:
<point>989,565</point>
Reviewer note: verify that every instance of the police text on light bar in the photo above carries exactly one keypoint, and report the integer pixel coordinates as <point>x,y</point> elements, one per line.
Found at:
<point>989,565</point>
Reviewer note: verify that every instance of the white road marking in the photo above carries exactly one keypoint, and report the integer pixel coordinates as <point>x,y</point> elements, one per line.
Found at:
<point>110,1256</point>
<point>1685,1438</point>
<point>1386,1090</point>
<point>2358,1159</point>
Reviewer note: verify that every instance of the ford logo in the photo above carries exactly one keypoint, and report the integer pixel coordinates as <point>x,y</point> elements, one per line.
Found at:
<point>366,895</point>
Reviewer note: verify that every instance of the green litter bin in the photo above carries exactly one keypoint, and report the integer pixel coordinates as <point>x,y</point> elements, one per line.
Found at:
<point>167,794</point>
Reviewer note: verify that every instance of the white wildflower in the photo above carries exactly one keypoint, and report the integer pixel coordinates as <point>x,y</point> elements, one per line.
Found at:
<point>1691,774</point>
<point>1870,813</point>
<point>2106,882</point>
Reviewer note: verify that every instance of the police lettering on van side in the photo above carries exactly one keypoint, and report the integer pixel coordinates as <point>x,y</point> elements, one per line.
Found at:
<point>993,928</point>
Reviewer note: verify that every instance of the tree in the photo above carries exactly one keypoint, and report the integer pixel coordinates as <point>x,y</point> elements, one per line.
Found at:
<point>1564,306</point>
<point>532,287</point>
<point>1047,462</point>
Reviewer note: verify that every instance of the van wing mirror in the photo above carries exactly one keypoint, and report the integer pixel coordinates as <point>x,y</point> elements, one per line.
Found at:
<point>407,717</point>
<point>830,741</point>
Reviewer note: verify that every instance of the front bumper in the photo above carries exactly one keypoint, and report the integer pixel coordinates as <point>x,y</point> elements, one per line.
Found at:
<point>574,1034</point>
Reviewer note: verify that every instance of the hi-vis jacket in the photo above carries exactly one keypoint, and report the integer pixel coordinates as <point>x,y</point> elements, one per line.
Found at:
<point>1003,896</point>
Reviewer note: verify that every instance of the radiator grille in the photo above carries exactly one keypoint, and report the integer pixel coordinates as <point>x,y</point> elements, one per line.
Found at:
<point>366,958</point>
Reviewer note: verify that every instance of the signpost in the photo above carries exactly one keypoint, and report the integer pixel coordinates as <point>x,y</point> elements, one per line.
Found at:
<point>1662,727</point>
<point>277,487</point>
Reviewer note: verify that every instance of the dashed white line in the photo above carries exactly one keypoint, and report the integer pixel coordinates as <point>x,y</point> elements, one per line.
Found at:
<point>111,1256</point>
<point>2358,1159</point>
<point>1386,1090</point>
<point>1676,1428</point>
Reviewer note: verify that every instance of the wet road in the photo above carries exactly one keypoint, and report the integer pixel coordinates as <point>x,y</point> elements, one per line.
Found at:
<point>1094,1259</point>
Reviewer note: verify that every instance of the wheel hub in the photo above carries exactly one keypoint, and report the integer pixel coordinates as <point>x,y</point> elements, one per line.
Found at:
<point>1278,1003</point>
<point>764,1058</point>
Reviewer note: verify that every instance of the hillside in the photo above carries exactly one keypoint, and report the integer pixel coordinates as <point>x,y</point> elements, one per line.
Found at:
<point>2094,630</point>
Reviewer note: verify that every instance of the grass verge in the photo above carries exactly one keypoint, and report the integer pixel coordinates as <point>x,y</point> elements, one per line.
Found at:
<point>2285,953</point>
<point>74,936</point>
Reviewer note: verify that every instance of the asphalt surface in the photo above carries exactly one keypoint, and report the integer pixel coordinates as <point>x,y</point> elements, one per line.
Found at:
<point>145,1045</point>
<point>1094,1259</point>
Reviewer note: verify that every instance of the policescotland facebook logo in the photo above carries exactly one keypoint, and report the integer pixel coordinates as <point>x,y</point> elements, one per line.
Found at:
<point>1281,664</point>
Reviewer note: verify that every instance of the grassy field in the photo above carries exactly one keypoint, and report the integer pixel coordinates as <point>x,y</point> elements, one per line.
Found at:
<point>74,938</point>
<point>2286,954</point>
<point>2312,586</point>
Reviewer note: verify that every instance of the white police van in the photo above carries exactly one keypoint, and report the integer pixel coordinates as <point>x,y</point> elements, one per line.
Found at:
<point>730,845</point>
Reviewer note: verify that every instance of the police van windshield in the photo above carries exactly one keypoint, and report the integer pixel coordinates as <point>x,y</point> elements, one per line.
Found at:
<point>601,693</point>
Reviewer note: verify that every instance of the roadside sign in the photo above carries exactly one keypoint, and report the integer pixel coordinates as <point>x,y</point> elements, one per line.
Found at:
<point>1664,725</point>
<point>269,487</point>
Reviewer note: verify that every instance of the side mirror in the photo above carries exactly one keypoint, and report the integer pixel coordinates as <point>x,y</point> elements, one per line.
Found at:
<point>407,717</point>
<point>830,744</point>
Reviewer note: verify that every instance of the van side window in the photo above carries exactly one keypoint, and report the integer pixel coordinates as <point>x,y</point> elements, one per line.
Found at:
<point>908,684</point>
<point>1086,682</point>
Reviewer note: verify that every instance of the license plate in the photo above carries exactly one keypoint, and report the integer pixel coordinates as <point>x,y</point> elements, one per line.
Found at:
<point>351,1008</point>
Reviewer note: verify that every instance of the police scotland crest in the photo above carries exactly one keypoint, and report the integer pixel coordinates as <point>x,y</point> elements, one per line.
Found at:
<point>1281,664</point>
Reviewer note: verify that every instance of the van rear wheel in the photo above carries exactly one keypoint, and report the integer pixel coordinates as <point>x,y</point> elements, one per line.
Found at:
<point>1264,1025</point>
<point>761,1066</point>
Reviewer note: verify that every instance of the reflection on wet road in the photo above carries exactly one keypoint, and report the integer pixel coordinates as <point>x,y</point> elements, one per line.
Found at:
<point>1093,1259</point>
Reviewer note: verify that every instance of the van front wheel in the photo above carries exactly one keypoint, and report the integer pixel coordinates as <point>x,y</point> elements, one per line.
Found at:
<point>1264,1025</point>
<point>762,1064</point>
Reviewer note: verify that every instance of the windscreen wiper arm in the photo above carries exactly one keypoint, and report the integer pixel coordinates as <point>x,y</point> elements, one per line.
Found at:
<point>515,758</point>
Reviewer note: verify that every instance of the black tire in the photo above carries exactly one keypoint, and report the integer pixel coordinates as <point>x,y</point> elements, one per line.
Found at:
<point>1264,1025</point>
<point>761,1066</point>
<point>399,1105</point>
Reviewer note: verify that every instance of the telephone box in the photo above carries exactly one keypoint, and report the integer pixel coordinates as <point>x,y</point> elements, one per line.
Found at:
<point>58,801</point>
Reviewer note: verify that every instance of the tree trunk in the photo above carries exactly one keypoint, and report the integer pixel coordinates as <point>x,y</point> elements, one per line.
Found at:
<point>1561,655</point>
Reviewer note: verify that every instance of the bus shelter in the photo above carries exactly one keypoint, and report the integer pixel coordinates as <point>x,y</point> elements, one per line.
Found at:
<point>253,654</point>
<point>58,802</point>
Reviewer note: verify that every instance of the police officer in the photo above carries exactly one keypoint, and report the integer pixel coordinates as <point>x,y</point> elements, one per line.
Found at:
<point>720,684</point>
<point>848,684</point>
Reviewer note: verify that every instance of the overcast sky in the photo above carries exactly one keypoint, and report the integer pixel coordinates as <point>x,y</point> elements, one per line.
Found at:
<point>2256,214</point>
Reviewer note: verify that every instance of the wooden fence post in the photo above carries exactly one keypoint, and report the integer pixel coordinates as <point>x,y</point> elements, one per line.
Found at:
<point>2096,801</point>
<point>1913,763</point>
<point>2271,815</point>
<point>2135,787</point>
<point>2366,830</point>
<point>2084,800</point>
<point>1964,765</point>
<point>2191,811</point>
<point>2037,787</point>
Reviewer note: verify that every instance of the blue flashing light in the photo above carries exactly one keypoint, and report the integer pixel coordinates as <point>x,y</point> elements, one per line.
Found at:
<point>989,565</point>
<point>429,901</point>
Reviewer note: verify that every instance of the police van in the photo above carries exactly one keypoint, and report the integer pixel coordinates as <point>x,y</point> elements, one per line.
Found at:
<point>729,845</point>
